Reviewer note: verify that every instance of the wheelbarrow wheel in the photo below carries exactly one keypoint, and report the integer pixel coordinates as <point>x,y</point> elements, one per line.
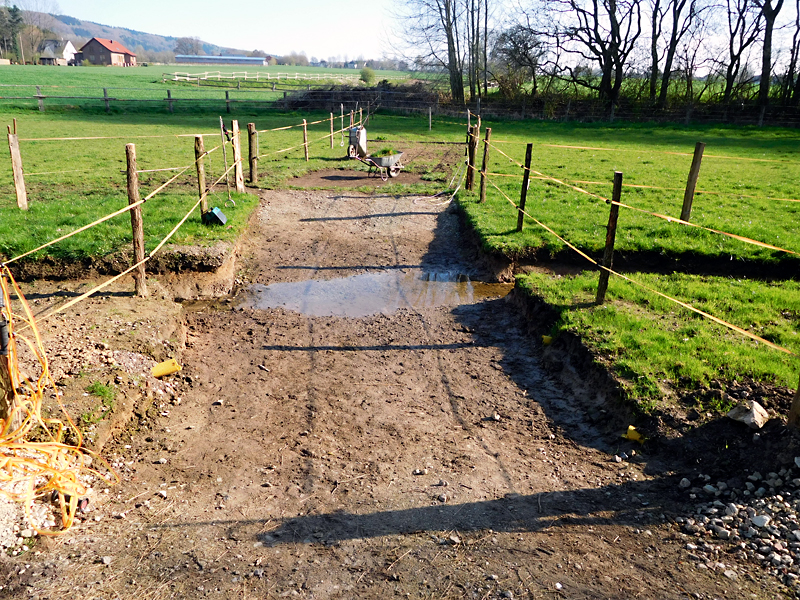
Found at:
<point>394,171</point>
<point>351,151</point>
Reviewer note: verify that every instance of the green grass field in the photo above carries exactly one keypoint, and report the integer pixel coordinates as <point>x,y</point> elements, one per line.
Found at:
<point>654,346</point>
<point>143,89</point>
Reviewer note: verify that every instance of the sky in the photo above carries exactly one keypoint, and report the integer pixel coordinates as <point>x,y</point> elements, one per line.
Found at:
<point>321,29</point>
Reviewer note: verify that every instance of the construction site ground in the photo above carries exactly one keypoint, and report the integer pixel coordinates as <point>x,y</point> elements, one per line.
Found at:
<point>418,452</point>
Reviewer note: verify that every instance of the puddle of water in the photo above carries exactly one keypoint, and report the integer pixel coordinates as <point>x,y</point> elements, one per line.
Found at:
<point>371,293</point>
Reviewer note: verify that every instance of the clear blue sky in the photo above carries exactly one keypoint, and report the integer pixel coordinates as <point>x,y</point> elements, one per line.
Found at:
<point>320,28</point>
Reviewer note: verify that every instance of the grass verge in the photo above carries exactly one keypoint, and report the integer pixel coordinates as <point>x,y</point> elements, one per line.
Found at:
<point>654,347</point>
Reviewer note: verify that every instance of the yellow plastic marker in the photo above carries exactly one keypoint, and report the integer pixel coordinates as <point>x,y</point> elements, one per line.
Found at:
<point>547,340</point>
<point>634,435</point>
<point>168,367</point>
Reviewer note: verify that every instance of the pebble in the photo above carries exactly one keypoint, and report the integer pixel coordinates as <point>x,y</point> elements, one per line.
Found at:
<point>419,472</point>
<point>559,586</point>
<point>106,560</point>
<point>162,461</point>
<point>162,493</point>
<point>442,497</point>
<point>685,483</point>
<point>761,520</point>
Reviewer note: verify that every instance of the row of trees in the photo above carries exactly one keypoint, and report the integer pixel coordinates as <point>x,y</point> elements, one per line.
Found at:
<point>734,49</point>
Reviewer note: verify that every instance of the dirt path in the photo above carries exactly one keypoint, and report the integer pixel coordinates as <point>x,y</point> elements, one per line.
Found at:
<point>419,453</point>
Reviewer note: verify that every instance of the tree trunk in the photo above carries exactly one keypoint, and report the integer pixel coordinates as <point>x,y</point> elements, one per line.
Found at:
<point>770,14</point>
<point>654,35</point>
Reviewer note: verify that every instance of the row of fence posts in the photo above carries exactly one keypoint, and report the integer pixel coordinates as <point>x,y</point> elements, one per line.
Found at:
<point>608,254</point>
<point>132,174</point>
<point>607,261</point>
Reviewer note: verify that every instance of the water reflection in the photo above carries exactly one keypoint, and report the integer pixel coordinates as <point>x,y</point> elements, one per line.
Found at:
<point>371,293</point>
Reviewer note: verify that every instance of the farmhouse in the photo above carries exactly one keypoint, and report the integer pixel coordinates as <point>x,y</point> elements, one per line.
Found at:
<point>99,51</point>
<point>57,52</point>
<point>198,59</point>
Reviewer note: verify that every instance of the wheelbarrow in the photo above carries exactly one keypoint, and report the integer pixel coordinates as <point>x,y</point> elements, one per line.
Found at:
<point>385,166</point>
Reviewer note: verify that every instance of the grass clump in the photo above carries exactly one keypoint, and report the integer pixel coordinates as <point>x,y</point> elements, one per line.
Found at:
<point>107,395</point>
<point>655,347</point>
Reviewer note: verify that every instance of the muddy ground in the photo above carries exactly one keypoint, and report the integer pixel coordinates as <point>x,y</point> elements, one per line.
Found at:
<point>420,453</point>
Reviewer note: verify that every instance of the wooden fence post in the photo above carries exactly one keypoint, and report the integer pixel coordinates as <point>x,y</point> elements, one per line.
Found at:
<point>360,116</point>
<point>105,98</point>
<point>526,179</point>
<point>331,131</point>
<point>252,147</point>
<point>39,96</point>
<point>484,163</point>
<point>136,221</point>
<point>8,397</point>
<point>169,100</point>
<point>611,233</point>
<point>691,183</point>
<point>227,102</point>
<point>16,167</point>
<point>471,148</point>
<point>305,139</point>
<point>430,119</point>
<point>199,154</point>
<point>238,171</point>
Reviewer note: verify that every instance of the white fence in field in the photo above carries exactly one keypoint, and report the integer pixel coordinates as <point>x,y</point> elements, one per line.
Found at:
<point>259,76</point>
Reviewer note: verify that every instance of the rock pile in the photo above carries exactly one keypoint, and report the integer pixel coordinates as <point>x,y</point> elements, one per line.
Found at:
<point>754,519</point>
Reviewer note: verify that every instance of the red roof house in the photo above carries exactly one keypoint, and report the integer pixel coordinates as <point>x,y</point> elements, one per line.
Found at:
<point>99,51</point>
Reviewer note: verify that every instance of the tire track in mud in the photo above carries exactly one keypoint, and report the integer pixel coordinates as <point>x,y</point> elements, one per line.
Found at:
<point>445,380</point>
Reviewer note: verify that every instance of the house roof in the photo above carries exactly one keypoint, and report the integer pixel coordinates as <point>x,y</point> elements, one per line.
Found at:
<point>109,45</point>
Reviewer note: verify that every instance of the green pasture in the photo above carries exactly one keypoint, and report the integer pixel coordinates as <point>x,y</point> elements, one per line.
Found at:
<point>82,87</point>
<point>655,346</point>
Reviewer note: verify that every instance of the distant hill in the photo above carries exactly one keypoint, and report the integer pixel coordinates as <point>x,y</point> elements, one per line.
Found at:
<point>79,30</point>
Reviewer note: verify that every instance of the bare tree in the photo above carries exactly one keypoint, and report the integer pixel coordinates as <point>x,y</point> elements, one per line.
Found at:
<point>790,84</point>
<point>432,27</point>
<point>520,49</point>
<point>769,12</point>
<point>188,45</point>
<point>678,16</point>
<point>601,32</point>
<point>744,27</point>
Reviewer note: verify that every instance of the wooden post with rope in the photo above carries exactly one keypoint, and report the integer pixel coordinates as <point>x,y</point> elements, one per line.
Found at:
<point>526,180</point>
<point>611,234</point>
<point>169,100</point>
<point>472,146</point>
<point>16,168</point>
<point>227,102</point>
<point>691,183</point>
<point>199,158</point>
<point>486,139</point>
<point>8,396</point>
<point>252,148</point>
<point>305,139</point>
<point>105,98</point>
<point>351,119</point>
<point>136,221</point>
<point>331,131</point>
<point>238,171</point>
